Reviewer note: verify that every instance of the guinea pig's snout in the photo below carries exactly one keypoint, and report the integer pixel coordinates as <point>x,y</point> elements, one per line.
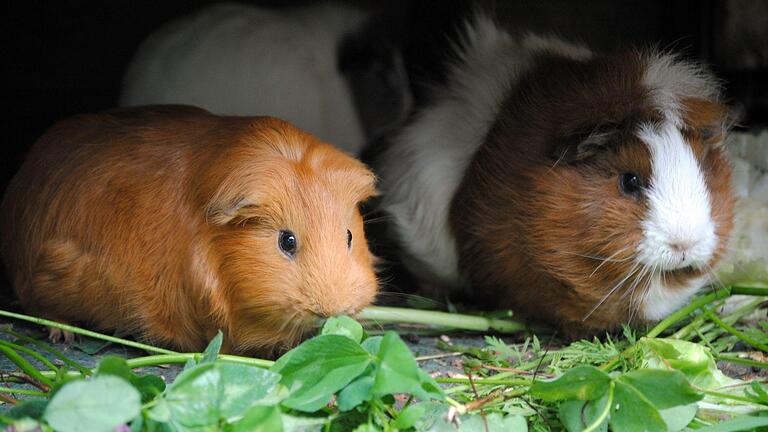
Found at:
<point>688,249</point>
<point>327,311</point>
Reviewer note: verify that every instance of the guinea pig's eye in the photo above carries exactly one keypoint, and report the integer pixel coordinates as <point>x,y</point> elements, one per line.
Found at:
<point>630,184</point>
<point>287,242</point>
<point>349,239</point>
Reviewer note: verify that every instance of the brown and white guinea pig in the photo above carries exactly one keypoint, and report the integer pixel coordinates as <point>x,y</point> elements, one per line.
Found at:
<point>580,189</point>
<point>172,223</point>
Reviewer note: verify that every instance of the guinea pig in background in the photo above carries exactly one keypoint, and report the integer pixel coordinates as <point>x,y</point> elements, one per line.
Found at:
<point>172,223</point>
<point>237,59</point>
<point>580,189</point>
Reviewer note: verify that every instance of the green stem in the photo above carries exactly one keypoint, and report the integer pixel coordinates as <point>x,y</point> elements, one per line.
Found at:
<point>26,392</point>
<point>84,332</point>
<point>727,396</point>
<point>732,330</point>
<point>382,314</point>
<point>604,414</point>
<point>25,366</point>
<point>750,290</point>
<point>31,353</point>
<point>735,359</point>
<point>486,381</point>
<point>83,370</point>
<point>684,312</point>
<point>162,359</point>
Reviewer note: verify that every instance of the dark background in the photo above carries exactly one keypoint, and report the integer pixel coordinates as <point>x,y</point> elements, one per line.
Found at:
<point>67,57</point>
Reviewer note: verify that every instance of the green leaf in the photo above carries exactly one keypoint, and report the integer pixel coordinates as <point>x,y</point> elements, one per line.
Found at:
<point>366,427</point>
<point>372,344</point>
<point>30,408</point>
<point>357,392</point>
<point>260,419</point>
<point>475,423</point>
<point>211,352</point>
<point>98,404</point>
<point>397,371</point>
<point>302,424</point>
<point>318,368</point>
<point>430,388</point>
<point>737,424</point>
<point>148,386</point>
<point>758,393</point>
<point>693,360</point>
<point>664,389</point>
<point>408,416</point>
<point>583,383</point>
<point>677,418</point>
<point>577,415</point>
<point>343,326</point>
<point>631,411</point>
<point>212,392</point>
<point>113,365</point>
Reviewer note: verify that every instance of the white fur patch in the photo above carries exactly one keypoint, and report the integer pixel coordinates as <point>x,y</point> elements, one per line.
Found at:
<point>670,79</point>
<point>679,230</point>
<point>660,300</point>
<point>427,160</point>
<point>237,59</point>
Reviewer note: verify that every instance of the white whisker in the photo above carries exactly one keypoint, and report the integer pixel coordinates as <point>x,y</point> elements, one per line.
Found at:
<point>611,291</point>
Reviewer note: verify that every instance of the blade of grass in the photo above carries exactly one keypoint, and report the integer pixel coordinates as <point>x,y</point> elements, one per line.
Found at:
<point>30,352</point>
<point>83,370</point>
<point>84,332</point>
<point>25,366</point>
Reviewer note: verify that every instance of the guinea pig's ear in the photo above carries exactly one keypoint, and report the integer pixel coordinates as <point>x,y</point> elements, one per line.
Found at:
<point>366,186</point>
<point>585,143</point>
<point>708,120</point>
<point>226,211</point>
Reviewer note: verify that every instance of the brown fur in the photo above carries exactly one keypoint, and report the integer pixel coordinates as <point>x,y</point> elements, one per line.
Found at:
<point>540,208</point>
<point>164,221</point>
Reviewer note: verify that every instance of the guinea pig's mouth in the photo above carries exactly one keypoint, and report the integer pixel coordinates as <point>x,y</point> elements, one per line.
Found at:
<point>687,271</point>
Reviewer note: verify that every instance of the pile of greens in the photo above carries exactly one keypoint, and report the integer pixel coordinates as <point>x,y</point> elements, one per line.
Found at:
<point>347,380</point>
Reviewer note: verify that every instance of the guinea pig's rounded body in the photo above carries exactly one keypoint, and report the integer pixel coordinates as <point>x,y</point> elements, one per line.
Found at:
<point>173,223</point>
<point>240,59</point>
<point>579,189</point>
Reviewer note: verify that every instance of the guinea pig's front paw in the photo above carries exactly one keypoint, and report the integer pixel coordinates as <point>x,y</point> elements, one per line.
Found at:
<point>56,335</point>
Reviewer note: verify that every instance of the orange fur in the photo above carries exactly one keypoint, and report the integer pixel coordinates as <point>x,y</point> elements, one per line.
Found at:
<point>163,221</point>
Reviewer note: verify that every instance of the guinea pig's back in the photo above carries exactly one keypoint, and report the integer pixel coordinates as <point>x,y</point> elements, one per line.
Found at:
<point>84,208</point>
<point>237,59</point>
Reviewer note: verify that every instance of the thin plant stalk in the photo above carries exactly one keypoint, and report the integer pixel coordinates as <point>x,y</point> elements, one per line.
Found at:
<point>383,315</point>
<point>485,381</point>
<point>733,358</point>
<point>26,392</point>
<point>732,330</point>
<point>179,358</point>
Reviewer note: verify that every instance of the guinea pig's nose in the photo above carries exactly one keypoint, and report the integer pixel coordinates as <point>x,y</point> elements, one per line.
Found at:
<point>681,245</point>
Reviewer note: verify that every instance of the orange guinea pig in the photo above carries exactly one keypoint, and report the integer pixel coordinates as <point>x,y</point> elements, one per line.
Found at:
<point>172,223</point>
